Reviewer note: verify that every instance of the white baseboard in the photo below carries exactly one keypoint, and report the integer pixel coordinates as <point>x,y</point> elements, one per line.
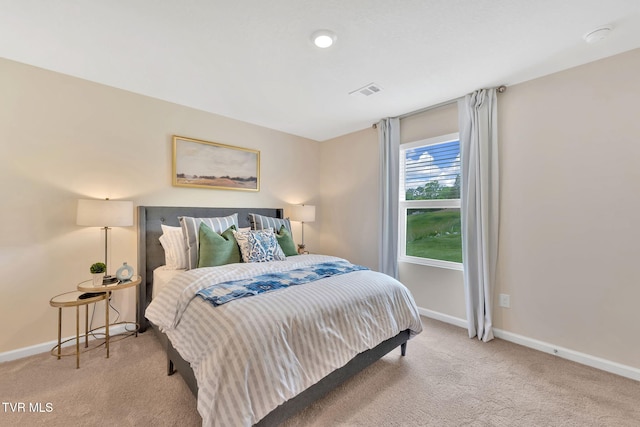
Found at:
<point>575,356</point>
<point>565,353</point>
<point>443,317</point>
<point>46,347</point>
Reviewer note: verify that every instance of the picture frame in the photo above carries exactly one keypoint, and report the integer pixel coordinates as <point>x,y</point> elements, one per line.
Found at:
<point>205,164</point>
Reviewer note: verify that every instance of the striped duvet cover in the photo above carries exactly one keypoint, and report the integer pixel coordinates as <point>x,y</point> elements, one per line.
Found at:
<point>253,354</point>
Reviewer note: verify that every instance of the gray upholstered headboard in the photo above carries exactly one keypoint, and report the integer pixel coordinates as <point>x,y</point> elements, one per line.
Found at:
<point>150,252</point>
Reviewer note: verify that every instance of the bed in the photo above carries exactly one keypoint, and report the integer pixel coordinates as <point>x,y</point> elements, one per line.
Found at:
<point>275,367</point>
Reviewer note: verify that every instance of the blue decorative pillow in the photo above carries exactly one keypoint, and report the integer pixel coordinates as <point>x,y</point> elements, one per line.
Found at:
<point>259,246</point>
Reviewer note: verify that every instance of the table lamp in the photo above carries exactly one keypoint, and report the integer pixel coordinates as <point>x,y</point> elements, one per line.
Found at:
<point>303,213</point>
<point>105,214</point>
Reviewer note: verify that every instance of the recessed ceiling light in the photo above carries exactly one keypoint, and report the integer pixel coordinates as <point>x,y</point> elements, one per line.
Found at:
<point>323,38</point>
<point>598,34</point>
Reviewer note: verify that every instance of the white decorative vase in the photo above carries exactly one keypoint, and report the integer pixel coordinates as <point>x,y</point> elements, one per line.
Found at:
<point>97,279</point>
<point>124,273</point>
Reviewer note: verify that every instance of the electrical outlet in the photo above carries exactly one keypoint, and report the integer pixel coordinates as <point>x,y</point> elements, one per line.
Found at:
<point>505,301</point>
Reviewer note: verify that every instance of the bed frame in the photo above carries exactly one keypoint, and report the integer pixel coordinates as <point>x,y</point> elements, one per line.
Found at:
<point>151,256</point>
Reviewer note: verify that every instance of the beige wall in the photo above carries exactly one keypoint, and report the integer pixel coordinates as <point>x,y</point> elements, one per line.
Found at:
<point>569,200</point>
<point>349,187</point>
<point>64,138</point>
<point>570,186</point>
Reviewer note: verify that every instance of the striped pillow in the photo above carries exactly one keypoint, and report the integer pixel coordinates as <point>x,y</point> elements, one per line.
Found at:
<point>190,229</point>
<point>261,222</point>
<point>175,251</point>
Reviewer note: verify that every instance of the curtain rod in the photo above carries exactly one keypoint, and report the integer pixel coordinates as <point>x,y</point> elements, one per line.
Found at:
<point>499,89</point>
<point>431,107</point>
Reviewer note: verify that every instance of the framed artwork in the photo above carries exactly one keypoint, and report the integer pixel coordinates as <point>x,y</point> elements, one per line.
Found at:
<point>206,164</point>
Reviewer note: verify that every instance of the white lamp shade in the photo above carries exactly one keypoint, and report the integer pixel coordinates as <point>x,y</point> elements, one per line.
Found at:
<point>105,213</point>
<point>303,213</point>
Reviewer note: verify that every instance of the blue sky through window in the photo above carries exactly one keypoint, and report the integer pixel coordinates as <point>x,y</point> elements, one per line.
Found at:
<point>437,162</point>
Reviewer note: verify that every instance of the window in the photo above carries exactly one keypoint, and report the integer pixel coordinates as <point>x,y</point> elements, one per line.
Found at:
<point>429,217</point>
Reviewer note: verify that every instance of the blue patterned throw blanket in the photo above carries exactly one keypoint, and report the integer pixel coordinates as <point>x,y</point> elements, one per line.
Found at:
<point>221,293</point>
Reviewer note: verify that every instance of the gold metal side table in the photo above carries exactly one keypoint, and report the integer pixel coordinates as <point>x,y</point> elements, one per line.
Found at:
<point>87,286</point>
<point>72,299</point>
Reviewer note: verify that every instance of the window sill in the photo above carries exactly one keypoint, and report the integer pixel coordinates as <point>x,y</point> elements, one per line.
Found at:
<point>431,262</point>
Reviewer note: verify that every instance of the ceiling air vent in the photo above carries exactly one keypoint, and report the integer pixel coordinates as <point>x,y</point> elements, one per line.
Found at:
<point>367,90</point>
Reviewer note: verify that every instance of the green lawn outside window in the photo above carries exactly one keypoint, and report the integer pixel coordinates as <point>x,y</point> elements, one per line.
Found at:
<point>435,234</point>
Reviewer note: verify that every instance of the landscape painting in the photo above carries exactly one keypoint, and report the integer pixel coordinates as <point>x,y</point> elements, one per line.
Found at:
<point>206,164</point>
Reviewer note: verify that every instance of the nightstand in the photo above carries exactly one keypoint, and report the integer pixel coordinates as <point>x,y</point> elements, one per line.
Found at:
<point>87,286</point>
<point>72,299</point>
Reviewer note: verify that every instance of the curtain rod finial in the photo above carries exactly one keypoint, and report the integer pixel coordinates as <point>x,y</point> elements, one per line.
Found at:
<point>502,89</point>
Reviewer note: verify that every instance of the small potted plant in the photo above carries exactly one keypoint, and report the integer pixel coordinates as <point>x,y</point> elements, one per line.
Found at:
<point>98,269</point>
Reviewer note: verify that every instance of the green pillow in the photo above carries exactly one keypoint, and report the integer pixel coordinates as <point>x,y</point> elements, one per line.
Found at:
<point>286,242</point>
<point>217,249</point>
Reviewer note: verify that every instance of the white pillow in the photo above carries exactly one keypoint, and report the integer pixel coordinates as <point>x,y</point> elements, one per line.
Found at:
<point>175,251</point>
<point>259,246</point>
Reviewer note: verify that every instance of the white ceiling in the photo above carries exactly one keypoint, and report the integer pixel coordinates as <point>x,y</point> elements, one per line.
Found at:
<point>252,60</point>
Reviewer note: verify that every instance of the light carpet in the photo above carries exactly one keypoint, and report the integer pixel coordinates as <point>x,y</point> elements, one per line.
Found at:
<point>446,379</point>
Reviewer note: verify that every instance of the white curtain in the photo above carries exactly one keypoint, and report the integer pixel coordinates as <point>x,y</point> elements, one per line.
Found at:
<point>389,139</point>
<point>479,206</point>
